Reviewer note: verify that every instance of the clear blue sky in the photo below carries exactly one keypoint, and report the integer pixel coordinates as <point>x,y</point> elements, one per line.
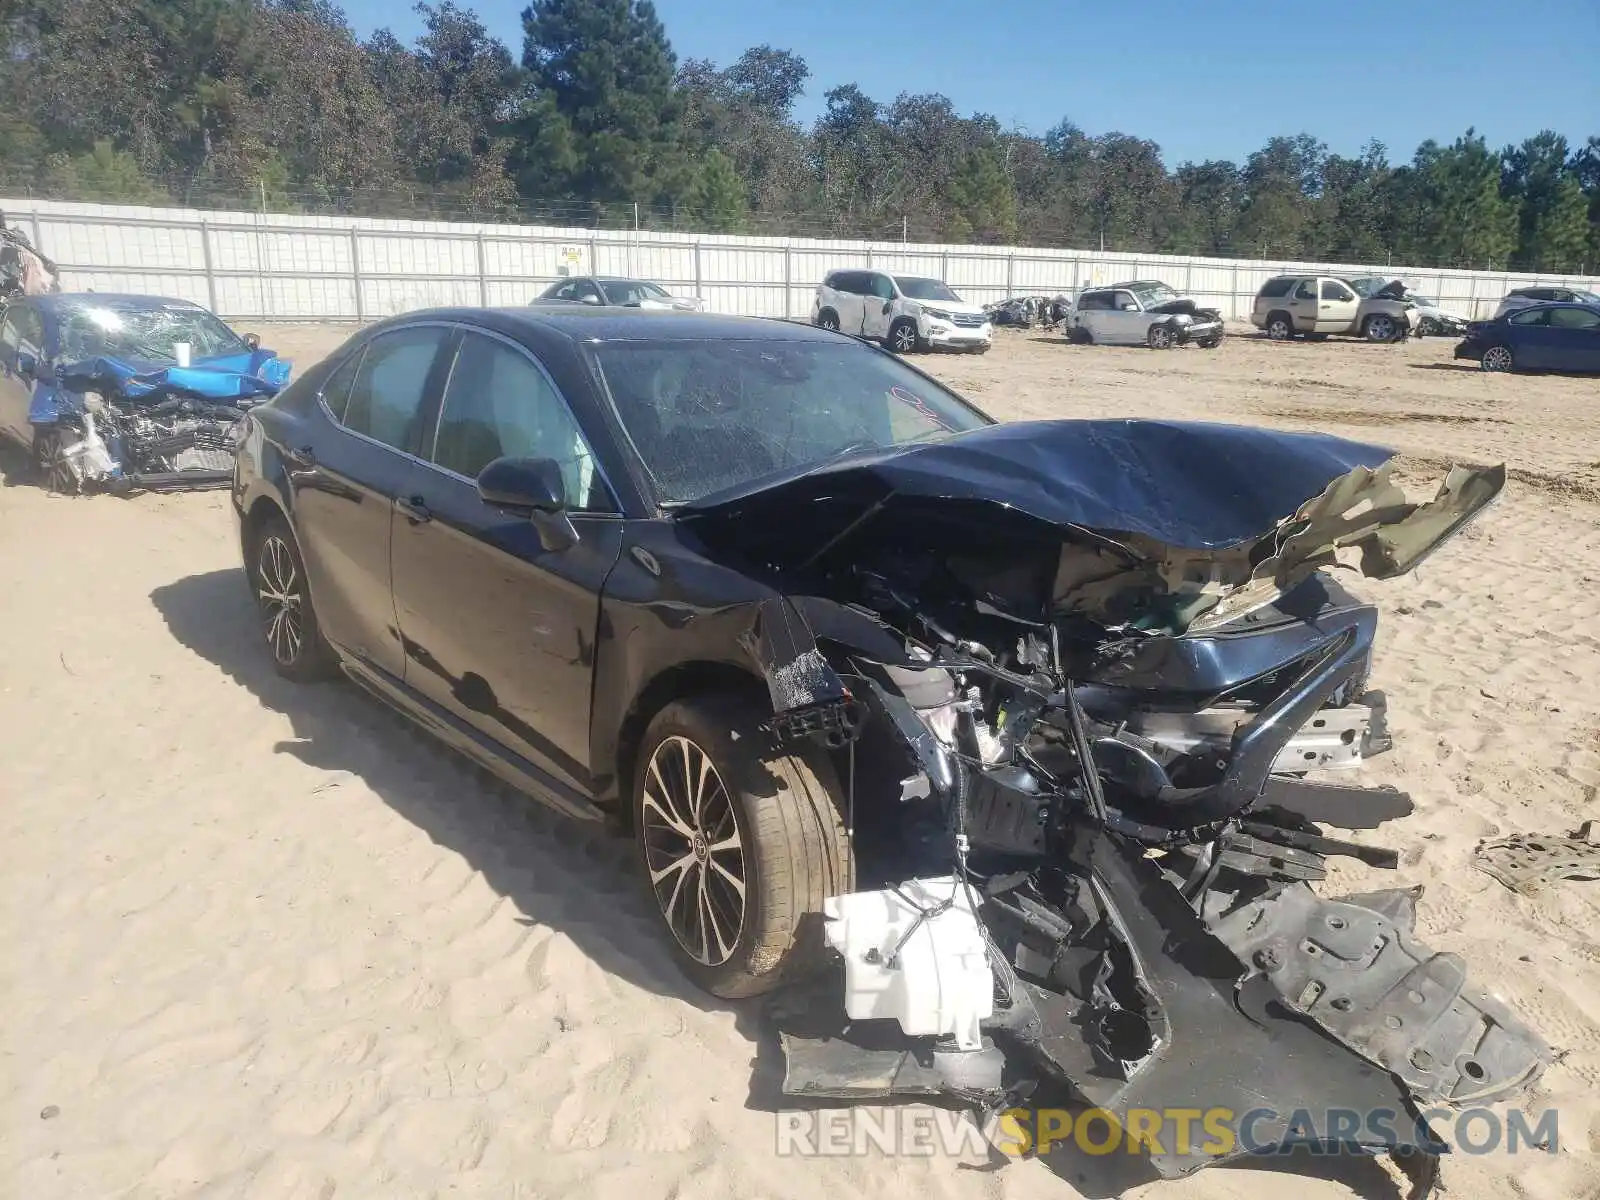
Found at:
<point>1203,79</point>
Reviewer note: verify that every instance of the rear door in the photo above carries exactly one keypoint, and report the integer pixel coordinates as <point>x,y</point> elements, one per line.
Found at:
<point>496,628</point>
<point>344,485</point>
<point>1528,330</point>
<point>849,299</point>
<point>1303,304</point>
<point>1337,306</point>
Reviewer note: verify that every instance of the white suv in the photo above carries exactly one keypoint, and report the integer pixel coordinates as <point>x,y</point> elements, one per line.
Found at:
<point>904,312</point>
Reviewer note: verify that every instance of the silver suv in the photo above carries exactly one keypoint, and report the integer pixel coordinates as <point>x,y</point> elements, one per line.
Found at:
<point>1316,306</point>
<point>1523,297</point>
<point>1142,312</point>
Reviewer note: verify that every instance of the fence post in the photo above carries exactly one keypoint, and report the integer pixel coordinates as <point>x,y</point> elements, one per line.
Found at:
<point>788,284</point>
<point>869,258</point>
<point>944,266</point>
<point>1188,279</point>
<point>38,240</point>
<point>594,267</point>
<point>483,277</point>
<point>1011,270</point>
<point>1233,293</point>
<point>355,273</point>
<point>205,255</point>
<point>697,271</point>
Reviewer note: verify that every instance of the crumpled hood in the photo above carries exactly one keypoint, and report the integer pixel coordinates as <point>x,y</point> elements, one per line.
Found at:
<point>258,373</point>
<point>1190,522</point>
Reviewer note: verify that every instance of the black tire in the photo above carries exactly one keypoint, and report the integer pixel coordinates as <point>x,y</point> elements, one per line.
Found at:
<point>979,350</point>
<point>1498,360</point>
<point>1160,336</point>
<point>828,319</point>
<point>1381,327</point>
<point>49,469</point>
<point>1210,343</point>
<point>1080,336</point>
<point>1317,337</point>
<point>1279,327</point>
<point>903,337</point>
<point>792,848</point>
<point>282,594</point>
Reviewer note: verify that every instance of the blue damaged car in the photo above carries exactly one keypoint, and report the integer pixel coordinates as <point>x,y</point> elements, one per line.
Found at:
<point>113,393</point>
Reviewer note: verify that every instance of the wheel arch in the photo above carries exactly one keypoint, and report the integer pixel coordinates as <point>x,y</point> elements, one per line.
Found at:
<point>261,510</point>
<point>681,681</point>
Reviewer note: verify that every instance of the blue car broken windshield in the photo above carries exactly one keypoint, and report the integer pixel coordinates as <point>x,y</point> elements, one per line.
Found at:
<point>143,333</point>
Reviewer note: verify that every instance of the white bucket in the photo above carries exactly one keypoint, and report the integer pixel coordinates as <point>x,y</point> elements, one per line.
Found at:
<point>183,352</point>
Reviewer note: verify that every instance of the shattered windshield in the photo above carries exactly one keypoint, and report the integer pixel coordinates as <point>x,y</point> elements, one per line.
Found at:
<point>710,415</point>
<point>1151,294</point>
<point>925,289</point>
<point>149,334</point>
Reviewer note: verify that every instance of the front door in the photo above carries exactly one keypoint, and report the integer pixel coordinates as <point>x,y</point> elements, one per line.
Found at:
<point>344,486</point>
<point>498,629</point>
<point>1337,307</point>
<point>879,314</point>
<point>20,334</point>
<point>1123,324</point>
<point>1575,339</point>
<point>1303,302</point>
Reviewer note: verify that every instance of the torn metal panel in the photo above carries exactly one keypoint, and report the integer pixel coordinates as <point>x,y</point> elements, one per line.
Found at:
<point>1526,862</point>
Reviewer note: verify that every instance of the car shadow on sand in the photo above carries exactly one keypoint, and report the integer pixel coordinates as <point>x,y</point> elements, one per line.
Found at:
<point>535,858</point>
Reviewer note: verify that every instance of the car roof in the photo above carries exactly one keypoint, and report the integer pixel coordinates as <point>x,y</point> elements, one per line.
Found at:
<point>55,301</point>
<point>609,324</point>
<point>1126,283</point>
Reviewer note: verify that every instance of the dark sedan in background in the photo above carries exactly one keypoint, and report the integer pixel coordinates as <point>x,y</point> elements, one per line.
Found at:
<point>1541,337</point>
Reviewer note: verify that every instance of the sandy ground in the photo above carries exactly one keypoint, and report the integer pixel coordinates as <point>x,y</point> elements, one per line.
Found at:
<point>268,941</point>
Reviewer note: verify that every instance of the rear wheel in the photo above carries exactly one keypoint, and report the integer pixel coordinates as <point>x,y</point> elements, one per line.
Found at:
<point>283,599</point>
<point>828,319</point>
<point>1498,359</point>
<point>1280,327</point>
<point>741,843</point>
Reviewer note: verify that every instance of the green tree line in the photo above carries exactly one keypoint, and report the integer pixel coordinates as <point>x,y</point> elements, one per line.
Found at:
<point>278,104</point>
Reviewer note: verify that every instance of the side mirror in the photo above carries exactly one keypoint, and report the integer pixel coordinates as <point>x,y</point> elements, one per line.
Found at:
<point>591,299</point>
<point>1130,307</point>
<point>253,340</point>
<point>27,365</point>
<point>531,487</point>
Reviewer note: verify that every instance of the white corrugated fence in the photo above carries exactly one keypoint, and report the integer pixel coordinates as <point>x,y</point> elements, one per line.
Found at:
<point>292,267</point>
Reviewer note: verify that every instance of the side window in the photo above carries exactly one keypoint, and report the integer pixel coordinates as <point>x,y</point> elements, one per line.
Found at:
<point>1273,288</point>
<point>386,397</point>
<point>1124,301</point>
<point>567,291</point>
<point>336,391</point>
<point>500,403</point>
<point>586,291</point>
<point>1332,289</point>
<point>1307,290</point>
<point>1574,318</point>
<point>1530,316</point>
<point>23,331</point>
<point>881,287</point>
<point>1094,301</point>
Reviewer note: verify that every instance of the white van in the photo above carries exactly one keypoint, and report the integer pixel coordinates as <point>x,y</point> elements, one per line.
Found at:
<point>904,312</point>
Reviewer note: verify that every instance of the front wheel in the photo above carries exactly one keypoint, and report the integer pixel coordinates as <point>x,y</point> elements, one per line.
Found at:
<point>1159,337</point>
<point>283,599</point>
<point>1210,343</point>
<point>1498,359</point>
<point>50,466</point>
<point>903,337</point>
<point>741,842</point>
<point>1380,327</point>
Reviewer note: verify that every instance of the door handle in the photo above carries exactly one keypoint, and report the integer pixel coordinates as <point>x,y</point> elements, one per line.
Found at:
<point>1327,306</point>
<point>301,456</point>
<point>416,511</point>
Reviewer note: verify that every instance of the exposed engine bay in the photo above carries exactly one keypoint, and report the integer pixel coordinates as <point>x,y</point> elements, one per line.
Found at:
<point>1074,675</point>
<point>169,429</point>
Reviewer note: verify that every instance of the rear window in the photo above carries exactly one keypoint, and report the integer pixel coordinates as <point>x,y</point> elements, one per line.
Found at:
<point>1094,301</point>
<point>1274,288</point>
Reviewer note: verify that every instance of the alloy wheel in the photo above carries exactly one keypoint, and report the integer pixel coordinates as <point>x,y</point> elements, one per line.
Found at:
<point>905,339</point>
<point>282,597</point>
<point>694,851</point>
<point>1497,358</point>
<point>50,461</point>
<point>1380,328</point>
<point>1160,338</point>
<point>1279,330</point>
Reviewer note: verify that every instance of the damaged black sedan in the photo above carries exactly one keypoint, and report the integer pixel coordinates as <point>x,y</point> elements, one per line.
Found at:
<point>991,740</point>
